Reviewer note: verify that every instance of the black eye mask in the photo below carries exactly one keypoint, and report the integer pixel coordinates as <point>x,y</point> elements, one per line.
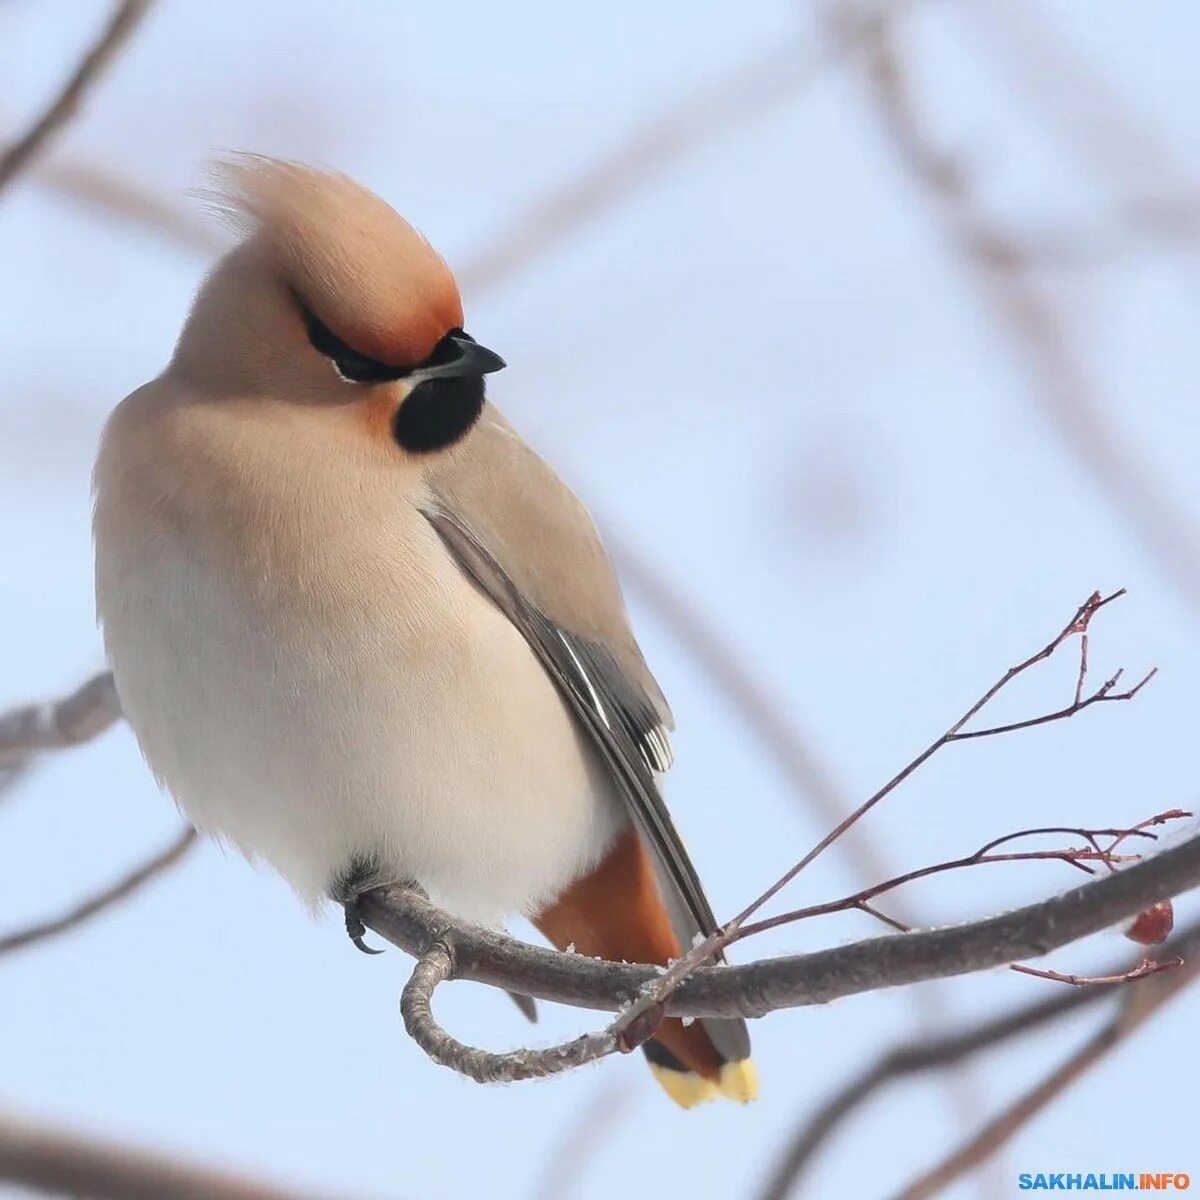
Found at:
<point>442,406</point>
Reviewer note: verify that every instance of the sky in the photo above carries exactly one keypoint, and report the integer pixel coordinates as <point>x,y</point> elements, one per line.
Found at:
<point>774,379</point>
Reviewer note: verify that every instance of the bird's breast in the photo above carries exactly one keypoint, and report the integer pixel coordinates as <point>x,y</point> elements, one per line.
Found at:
<point>312,677</point>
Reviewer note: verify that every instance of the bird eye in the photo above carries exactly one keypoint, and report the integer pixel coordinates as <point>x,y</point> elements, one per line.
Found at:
<point>354,368</point>
<point>348,364</point>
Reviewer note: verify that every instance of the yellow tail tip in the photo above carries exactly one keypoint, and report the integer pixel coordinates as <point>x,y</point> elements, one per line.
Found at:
<point>684,1087</point>
<point>739,1081</point>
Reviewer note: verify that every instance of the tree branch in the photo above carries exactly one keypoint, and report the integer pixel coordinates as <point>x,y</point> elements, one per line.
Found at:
<point>84,714</point>
<point>755,989</point>
<point>1141,1003</point>
<point>64,106</point>
<point>933,1054</point>
<point>56,1163</point>
<point>34,728</point>
<point>114,894</point>
<point>1063,392</point>
<point>435,966</point>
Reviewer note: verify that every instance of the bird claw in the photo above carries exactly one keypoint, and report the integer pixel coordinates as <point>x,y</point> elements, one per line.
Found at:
<point>347,890</point>
<point>355,927</point>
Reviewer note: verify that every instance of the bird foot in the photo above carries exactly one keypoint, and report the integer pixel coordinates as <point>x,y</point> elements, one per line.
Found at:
<point>348,888</point>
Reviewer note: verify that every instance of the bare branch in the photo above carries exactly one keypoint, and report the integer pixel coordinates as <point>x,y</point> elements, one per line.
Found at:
<point>747,92</point>
<point>1078,624</point>
<point>55,1163</point>
<point>1064,393</point>
<point>933,1054</point>
<point>1141,970</point>
<point>755,989</point>
<point>98,187</point>
<point>33,728</point>
<point>84,714</point>
<point>64,106</point>
<point>644,1003</point>
<point>93,905</point>
<point>1073,856</point>
<point>1142,1002</point>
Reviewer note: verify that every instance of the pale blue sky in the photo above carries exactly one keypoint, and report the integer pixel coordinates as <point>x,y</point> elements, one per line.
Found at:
<point>764,372</point>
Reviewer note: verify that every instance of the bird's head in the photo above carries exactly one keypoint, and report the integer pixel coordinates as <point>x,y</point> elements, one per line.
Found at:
<point>331,297</point>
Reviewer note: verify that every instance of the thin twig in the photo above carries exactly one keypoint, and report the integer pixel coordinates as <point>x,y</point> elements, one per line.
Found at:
<point>55,1163</point>
<point>102,900</point>
<point>1161,927</point>
<point>1078,624</point>
<point>64,106</point>
<point>1073,856</point>
<point>1139,971</point>
<point>932,1054</point>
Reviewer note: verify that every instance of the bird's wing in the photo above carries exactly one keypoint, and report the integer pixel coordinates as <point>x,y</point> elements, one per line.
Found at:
<point>527,541</point>
<point>530,544</point>
<point>547,546</point>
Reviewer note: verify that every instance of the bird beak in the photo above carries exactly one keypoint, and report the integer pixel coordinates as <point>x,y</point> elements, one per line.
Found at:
<point>472,359</point>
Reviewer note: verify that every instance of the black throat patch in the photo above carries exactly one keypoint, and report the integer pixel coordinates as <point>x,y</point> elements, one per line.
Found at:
<point>437,413</point>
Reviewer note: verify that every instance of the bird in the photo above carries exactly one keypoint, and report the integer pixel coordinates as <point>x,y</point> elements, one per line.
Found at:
<point>362,632</point>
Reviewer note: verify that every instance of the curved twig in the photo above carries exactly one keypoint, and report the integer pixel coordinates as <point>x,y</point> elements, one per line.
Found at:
<point>116,33</point>
<point>435,966</point>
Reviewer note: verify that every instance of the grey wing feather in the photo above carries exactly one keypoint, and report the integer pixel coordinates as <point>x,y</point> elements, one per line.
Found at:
<point>565,655</point>
<point>561,593</point>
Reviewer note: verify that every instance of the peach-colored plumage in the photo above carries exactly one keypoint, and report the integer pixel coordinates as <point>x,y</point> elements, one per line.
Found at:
<point>394,304</point>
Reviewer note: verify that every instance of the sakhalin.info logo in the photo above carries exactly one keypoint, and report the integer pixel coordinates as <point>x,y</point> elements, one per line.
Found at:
<point>1132,1181</point>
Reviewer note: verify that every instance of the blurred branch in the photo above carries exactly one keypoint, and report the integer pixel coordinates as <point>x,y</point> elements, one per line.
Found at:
<point>84,714</point>
<point>934,1054</point>
<point>1155,193</point>
<point>102,900</point>
<point>595,1121</point>
<point>116,34</point>
<point>1065,394</point>
<point>744,94</point>
<point>99,187</point>
<point>62,1164</point>
<point>1140,1004</point>
<point>32,729</point>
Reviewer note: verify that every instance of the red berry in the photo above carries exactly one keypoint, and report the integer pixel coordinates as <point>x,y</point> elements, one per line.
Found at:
<point>1152,926</point>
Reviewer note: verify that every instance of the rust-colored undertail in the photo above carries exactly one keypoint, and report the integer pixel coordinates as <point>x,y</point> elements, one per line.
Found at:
<point>617,912</point>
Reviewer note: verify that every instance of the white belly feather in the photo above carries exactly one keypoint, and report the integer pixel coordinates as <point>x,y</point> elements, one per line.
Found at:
<point>358,697</point>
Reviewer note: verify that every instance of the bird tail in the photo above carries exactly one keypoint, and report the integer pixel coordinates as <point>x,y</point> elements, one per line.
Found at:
<point>689,1067</point>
